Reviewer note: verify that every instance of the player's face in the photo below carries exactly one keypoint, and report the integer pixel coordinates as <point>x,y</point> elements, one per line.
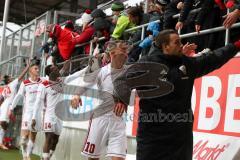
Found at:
<point>34,70</point>
<point>55,73</point>
<point>119,54</point>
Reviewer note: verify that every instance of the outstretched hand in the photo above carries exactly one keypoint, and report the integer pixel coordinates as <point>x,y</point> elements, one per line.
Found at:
<point>231,18</point>
<point>189,48</point>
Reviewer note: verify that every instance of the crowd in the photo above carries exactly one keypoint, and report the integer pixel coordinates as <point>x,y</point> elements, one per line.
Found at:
<point>161,44</point>
<point>63,41</point>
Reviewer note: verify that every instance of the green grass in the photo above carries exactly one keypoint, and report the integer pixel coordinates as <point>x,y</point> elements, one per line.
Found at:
<point>14,155</point>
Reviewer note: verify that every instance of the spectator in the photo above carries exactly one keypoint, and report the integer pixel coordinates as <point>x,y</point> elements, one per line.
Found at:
<point>157,10</point>
<point>67,40</point>
<point>201,23</point>
<point>143,48</point>
<point>187,7</point>
<point>101,24</point>
<point>173,8</point>
<point>117,9</point>
<point>123,22</point>
<point>137,17</point>
<point>103,28</point>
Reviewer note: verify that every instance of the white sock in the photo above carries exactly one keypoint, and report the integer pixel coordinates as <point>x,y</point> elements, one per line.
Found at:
<point>23,145</point>
<point>30,146</point>
<point>50,153</point>
<point>2,133</point>
<point>45,156</point>
<point>24,152</point>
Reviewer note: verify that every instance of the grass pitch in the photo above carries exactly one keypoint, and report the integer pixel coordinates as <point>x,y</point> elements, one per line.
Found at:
<point>13,154</point>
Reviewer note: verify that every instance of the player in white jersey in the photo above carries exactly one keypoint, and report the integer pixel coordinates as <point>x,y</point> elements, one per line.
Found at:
<point>107,131</point>
<point>51,94</point>
<point>28,91</point>
<point>8,93</point>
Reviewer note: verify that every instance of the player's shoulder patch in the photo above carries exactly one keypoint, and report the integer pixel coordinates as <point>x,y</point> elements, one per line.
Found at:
<point>27,81</point>
<point>45,83</point>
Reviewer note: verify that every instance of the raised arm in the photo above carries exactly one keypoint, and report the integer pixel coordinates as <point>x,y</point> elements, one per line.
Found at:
<point>82,73</point>
<point>18,96</point>
<point>21,76</point>
<point>202,65</point>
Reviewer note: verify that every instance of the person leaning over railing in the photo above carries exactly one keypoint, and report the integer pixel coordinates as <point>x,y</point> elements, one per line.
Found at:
<point>103,28</point>
<point>67,40</point>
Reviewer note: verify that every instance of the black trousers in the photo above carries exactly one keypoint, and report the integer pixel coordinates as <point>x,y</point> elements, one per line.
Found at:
<point>155,143</point>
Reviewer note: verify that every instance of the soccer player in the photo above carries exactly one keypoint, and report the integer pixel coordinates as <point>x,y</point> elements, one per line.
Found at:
<point>107,131</point>
<point>28,90</point>
<point>51,93</point>
<point>7,97</point>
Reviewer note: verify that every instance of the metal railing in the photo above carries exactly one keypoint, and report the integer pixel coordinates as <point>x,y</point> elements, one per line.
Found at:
<point>23,42</point>
<point>19,33</point>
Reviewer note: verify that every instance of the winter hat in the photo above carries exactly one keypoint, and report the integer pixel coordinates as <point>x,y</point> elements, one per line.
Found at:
<point>101,23</point>
<point>98,13</point>
<point>117,6</point>
<point>86,16</point>
<point>69,24</point>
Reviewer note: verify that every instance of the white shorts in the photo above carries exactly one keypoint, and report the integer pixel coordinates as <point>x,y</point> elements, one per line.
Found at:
<point>4,113</point>
<point>52,124</point>
<point>106,133</point>
<point>27,122</point>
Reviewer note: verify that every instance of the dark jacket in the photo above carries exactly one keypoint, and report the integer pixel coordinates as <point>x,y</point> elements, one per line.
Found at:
<point>206,8</point>
<point>136,36</point>
<point>173,140</point>
<point>188,6</point>
<point>170,11</point>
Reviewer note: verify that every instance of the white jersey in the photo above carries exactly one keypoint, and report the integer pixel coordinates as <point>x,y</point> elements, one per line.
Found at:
<point>29,91</point>
<point>104,82</point>
<point>106,132</point>
<point>8,93</point>
<point>51,95</point>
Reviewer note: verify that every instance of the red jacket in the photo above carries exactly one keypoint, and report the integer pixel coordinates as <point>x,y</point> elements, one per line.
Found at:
<point>67,39</point>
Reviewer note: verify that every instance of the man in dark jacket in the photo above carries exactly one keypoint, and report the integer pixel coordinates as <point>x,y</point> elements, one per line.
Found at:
<point>165,129</point>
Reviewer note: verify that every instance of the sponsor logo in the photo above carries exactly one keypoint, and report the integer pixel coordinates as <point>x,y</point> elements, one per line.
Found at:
<point>202,150</point>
